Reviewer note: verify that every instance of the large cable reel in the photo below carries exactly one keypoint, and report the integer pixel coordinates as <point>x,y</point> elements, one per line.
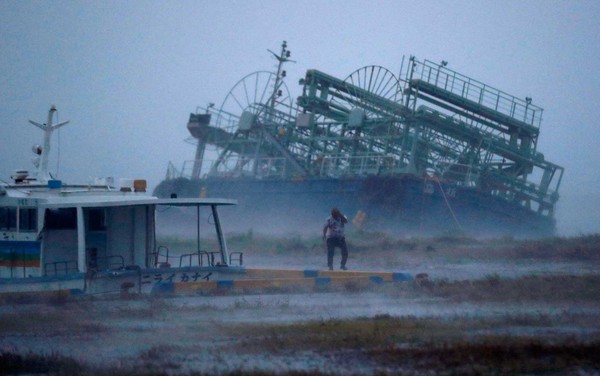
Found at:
<point>259,94</point>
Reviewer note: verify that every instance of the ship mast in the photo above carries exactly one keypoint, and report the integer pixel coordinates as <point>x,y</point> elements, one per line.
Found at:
<point>283,57</point>
<point>43,175</point>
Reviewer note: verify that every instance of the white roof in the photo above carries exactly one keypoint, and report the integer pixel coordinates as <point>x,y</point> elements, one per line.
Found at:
<point>83,198</point>
<point>144,201</point>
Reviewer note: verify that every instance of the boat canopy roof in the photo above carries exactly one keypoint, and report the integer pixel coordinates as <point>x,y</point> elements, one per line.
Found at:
<point>99,200</point>
<point>141,202</point>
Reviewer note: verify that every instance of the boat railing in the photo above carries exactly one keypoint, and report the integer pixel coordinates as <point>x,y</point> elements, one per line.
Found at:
<point>210,257</point>
<point>199,256</point>
<point>238,257</point>
<point>161,251</point>
<point>60,268</point>
<point>204,258</point>
<point>126,280</point>
<point>189,257</point>
<point>110,262</point>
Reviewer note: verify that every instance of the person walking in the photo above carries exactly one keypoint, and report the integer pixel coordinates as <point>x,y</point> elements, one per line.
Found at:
<point>333,233</point>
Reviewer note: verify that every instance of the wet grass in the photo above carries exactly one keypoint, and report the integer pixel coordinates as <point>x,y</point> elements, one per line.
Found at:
<point>492,356</point>
<point>494,288</point>
<point>49,321</point>
<point>385,330</point>
<point>387,344</point>
<point>408,345</point>
<point>33,364</point>
<point>500,356</point>
<point>581,248</point>
<point>562,340</point>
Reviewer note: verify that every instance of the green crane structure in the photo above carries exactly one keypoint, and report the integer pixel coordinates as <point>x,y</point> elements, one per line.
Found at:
<point>430,122</point>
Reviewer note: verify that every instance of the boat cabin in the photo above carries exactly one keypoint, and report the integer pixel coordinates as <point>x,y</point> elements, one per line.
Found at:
<point>67,232</point>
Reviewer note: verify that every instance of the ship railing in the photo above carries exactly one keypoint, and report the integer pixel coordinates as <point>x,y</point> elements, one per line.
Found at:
<point>332,166</point>
<point>272,116</point>
<point>187,169</point>
<point>173,172</point>
<point>465,130</point>
<point>225,120</point>
<point>267,115</point>
<point>261,168</point>
<point>271,168</point>
<point>477,92</point>
<point>530,192</point>
<point>336,166</point>
<point>277,167</point>
<point>550,174</point>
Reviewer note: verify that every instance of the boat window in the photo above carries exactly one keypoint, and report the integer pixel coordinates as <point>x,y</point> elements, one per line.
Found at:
<point>61,219</point>
<point>97,220</point>
<point>27,219</point>
<point>8,218</point>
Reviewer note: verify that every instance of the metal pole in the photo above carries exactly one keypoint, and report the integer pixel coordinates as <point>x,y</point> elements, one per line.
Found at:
<point>222,243</point>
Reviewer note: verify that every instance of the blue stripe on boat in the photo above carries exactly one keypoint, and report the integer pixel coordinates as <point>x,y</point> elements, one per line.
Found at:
<point>227,284</point>
<point>311,273</point>
<point>400,277</point>
<point>376,279</point>
<point>322,281</point>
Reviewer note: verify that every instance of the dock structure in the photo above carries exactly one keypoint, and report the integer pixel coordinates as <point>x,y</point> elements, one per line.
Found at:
<point>269,280</point>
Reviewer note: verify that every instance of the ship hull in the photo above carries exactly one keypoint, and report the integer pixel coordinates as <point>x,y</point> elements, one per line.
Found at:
<point>403,205</point>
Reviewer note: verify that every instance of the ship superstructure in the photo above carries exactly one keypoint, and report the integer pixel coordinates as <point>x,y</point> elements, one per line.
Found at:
<point>430,150</point>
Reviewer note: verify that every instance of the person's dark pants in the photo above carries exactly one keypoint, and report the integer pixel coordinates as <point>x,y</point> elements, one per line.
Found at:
<point>332,243</point>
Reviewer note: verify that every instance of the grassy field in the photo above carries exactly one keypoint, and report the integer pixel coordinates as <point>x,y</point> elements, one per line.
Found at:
<point>499,306</point>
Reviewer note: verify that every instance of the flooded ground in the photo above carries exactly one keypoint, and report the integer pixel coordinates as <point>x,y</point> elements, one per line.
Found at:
<point>507,296</point>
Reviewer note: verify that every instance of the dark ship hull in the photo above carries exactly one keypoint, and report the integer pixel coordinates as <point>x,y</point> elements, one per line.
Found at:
<point>401,205</point>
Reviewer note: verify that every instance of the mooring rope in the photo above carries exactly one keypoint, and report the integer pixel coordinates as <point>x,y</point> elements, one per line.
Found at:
<point>448,204</point>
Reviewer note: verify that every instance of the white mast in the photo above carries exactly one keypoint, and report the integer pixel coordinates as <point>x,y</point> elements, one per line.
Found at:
<point>43,175</point>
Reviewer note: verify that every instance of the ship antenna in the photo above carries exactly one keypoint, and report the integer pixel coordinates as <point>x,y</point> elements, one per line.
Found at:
<point>283,57</point>
<point>43,175</point>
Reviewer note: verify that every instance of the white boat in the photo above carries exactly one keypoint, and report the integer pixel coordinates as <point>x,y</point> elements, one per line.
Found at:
<point>95,237</point>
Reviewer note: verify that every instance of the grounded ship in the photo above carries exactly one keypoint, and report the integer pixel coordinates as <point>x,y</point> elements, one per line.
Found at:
<point>431,152</point>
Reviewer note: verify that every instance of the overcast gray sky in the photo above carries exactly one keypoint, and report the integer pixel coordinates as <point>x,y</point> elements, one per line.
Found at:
<point>128,73</point>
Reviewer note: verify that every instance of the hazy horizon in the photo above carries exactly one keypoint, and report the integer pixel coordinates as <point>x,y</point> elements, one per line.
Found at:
<point>128,74</point>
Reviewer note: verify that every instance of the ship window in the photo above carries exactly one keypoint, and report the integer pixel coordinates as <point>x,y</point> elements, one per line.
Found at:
<point>8,218</point>
<point>61,219</point>
<point>27,219</point>
<point>97,220</point>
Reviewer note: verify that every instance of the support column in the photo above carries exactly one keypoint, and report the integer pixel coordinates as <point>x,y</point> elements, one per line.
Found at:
<point>81,265</point>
